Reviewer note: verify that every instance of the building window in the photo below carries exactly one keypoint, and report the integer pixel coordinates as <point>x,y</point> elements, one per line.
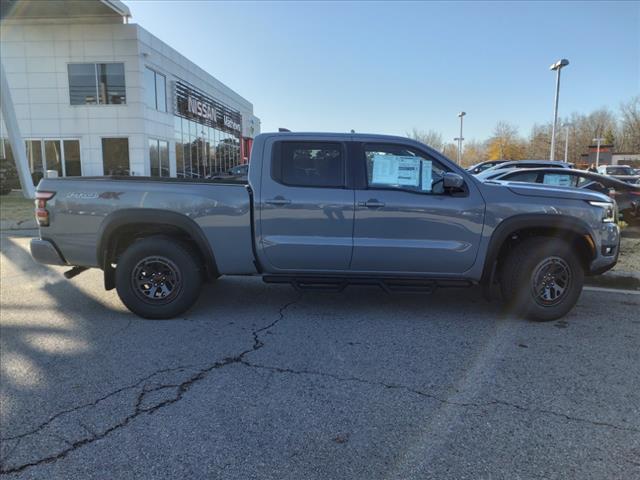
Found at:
<point>96,83</point>
<point>62,156</point>
<point>115,156</point>
<point>159,157</point>
<point>34,157</point>
<point>71,152</point>
<point>155,86</point>
<point>53,156</point>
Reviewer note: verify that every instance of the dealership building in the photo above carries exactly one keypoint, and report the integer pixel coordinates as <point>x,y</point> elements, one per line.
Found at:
<point>96,95</point>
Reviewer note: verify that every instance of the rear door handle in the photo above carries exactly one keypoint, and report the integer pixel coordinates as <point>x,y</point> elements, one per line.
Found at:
<point>371,204</point>
<point>278,201</point>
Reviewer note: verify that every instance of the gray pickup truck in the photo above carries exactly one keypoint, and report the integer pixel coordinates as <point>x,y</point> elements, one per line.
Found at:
<point>323,211</point>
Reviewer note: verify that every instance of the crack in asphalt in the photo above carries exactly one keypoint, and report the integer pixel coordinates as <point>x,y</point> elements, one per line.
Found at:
<point>393,386</point>
<point>139,408</point>
<point>90,404</point>
<point>183,387</point>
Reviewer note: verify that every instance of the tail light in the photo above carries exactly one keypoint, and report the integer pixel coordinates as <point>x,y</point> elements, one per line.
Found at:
<point>42,214</point>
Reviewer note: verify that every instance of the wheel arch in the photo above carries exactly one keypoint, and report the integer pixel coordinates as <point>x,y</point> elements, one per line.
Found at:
<point>123,227</point>
<point>511,230</point>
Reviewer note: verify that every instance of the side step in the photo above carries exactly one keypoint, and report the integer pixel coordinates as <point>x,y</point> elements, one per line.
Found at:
<point>388,284</point>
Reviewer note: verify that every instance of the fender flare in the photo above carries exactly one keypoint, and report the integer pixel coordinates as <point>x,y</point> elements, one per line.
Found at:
<point>132,216</point>
<point>561,223</point>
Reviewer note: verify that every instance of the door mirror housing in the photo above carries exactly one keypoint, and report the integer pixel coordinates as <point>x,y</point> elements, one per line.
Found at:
<point>453,181</point>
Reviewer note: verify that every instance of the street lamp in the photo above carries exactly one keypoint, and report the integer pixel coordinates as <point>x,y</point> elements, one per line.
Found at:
<point>460,138</point>
<point>598,141</point>
<point>557,67</point>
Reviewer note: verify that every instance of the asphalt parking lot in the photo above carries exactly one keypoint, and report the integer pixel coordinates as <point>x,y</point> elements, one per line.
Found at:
<point>259,381</point>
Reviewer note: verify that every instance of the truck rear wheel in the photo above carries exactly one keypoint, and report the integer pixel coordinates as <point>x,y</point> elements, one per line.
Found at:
<point>158,278</point>
<point>541,279</point>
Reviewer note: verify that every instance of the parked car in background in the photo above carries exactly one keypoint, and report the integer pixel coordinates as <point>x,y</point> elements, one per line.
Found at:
<point>482,166</point>
<point>626,195</point>
<point>496,170</point>
<point>621,172</point>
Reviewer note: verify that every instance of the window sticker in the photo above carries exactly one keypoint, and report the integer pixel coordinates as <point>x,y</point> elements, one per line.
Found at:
<point>427,175</point>
<point>396,170</point>
<point>384,169</point>
<point>557,180</point>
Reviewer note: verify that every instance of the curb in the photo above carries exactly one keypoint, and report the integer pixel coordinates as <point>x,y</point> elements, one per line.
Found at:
<point>616,280</point>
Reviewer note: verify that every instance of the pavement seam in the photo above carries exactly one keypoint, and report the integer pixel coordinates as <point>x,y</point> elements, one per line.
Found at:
<point>440,399</point>
<point>182,388</point>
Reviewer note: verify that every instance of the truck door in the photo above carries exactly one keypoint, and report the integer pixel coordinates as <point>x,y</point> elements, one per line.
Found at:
<point>405,221</point>
<point>306,210</point>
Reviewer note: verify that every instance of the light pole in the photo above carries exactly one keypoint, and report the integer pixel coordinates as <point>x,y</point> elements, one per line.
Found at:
<point>598,141</point>
<point>460,138</point>
<point>566,142</point>
<point>557,67</point>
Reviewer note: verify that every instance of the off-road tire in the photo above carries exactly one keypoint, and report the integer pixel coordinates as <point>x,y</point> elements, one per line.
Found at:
<point>153,266</point>
<point>525,266</point>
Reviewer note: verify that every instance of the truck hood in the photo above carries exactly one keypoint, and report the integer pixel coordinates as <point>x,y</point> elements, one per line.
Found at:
<point>548,191</point>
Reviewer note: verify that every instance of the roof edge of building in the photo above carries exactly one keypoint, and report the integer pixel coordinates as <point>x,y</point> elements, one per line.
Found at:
<point>118,7</point>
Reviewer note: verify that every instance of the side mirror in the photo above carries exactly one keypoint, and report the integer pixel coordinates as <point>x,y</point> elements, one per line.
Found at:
<point>453,181</point>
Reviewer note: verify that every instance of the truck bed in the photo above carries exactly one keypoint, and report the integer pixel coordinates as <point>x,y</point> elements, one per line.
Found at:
<point>83,207</point>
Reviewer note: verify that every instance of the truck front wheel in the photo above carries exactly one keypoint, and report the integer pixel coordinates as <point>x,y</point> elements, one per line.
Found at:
<point>158,278</point>
<point>541,279</point>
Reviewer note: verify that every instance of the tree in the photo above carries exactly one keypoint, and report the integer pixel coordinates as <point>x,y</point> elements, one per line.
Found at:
<point>431,138</point>
<point>539,145</point>
<point>630,125</point>
<point>450,150</point>
<point>506,144</point>
<point>473,152</point>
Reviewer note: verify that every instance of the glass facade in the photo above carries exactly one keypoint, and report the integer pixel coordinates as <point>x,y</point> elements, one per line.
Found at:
<point>203,151</point>
<point>159,157</point>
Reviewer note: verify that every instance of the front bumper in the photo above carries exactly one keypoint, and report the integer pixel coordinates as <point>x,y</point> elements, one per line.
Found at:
<point>44,251</point>
<point>607,251</point>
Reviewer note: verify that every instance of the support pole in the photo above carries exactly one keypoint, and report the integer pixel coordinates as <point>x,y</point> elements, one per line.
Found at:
<point>552,155</point>
<point>15,139</point>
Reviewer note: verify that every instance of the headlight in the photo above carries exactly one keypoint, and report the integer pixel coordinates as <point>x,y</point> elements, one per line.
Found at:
<point>608,211</point>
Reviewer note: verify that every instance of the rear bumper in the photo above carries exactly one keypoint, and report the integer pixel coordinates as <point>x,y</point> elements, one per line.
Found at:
<point>44,251</point>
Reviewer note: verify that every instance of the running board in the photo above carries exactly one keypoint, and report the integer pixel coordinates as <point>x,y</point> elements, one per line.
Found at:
<point>388,284</point>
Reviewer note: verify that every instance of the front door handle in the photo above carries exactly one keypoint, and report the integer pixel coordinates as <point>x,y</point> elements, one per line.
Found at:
<point>371,204</point>
<point>278,201</point>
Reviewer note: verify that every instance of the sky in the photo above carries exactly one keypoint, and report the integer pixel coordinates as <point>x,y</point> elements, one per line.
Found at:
<point>389,67</point>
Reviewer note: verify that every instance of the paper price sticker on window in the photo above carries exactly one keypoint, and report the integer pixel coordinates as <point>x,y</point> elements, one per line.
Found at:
<point>396,170</point>
<point>427,175</point>
<point>557,180</point>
